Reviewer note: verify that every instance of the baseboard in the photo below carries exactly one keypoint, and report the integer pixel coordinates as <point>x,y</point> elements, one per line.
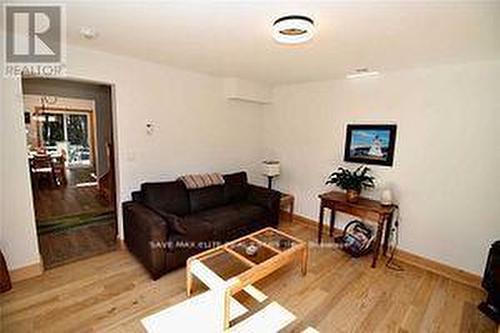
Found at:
<point>26,272</point>
<point>453,273</point>
<point>121,244</point>
<point>311,223</point>
<point>36,269</point>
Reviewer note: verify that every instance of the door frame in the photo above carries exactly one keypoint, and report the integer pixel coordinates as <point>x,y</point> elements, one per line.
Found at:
<point>115,142</point>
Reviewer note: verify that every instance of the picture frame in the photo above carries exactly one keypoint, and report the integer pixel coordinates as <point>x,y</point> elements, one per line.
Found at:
<point>370,144</point>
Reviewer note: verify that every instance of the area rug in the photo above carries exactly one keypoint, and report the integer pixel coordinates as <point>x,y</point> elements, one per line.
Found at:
<point>66,246</point>
<point>63,223</point>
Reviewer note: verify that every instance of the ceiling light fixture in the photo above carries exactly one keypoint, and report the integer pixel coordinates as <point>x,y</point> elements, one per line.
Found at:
<point>88,32</point>
<point>293,29</point>
<point>361,73</point>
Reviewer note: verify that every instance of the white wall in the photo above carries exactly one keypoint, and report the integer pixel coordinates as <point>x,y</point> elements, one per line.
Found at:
<point>196,130</point>
<point>445,164</point>
<point>447,151</point>
<point>2,187</point>
<point>18,239</point>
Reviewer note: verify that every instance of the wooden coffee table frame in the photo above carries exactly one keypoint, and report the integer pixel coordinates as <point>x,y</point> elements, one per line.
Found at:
<point>256,271</point>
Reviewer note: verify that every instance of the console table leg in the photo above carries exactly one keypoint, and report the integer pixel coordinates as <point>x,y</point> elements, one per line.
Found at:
<point>378,240</point>
<point>332,221</point>
<point>387,234</point>
<point>305,255</point>
<point>320,227</point>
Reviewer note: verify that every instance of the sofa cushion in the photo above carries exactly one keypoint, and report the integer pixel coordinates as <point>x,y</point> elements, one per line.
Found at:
<point>250,212</point>
<point>206,198</point>
<point>236,187</point>
<point>199,236</point>
<point>197,228</point>
<point>174,223</point>
<point>166,197</point>
<point>232,217</point>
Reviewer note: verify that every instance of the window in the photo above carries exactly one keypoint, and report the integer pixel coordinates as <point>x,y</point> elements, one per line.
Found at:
<point>52,126</point>
<point>68,131</point>
<point>77,129</point>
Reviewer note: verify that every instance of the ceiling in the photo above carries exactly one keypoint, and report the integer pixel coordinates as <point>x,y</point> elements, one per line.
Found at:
<point>233,39</point>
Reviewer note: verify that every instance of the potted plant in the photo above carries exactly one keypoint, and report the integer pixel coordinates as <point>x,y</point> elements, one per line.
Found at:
<point>352,182</point>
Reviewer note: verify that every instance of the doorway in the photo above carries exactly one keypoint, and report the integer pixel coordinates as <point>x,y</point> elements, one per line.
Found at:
<point>69,141</point>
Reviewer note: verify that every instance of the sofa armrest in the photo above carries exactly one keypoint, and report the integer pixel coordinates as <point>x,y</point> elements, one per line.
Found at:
<point>146,236</point>
<point>263,197</point>
<point>145,220</point>
<point>266,198</point>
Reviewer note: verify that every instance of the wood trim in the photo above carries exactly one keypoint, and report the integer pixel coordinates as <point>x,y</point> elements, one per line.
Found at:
<point>26,272</point>
<point>453,273</point>
<point>261,243</point>
<point>310,223</point>
<point>240,257</point>
<point>36,269</point>
<point>61,109</point>
<point>267,267</point>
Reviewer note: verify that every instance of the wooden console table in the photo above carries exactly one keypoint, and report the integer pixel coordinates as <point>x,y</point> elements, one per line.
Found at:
<point>364,208</point>
<point>286,203</point>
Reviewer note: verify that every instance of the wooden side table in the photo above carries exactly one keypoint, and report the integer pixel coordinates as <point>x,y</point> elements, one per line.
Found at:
<point>364,208</point>
<point>287,202</point>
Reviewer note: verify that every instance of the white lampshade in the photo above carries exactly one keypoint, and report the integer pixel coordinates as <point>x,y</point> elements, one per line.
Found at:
<point>271,168</point>
<point>386,197</point>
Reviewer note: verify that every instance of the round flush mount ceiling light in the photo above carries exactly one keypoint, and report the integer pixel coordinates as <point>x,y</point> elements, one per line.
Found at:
<point>293,29</point>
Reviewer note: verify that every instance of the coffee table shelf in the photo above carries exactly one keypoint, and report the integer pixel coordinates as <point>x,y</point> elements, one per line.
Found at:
<point>231,261</point>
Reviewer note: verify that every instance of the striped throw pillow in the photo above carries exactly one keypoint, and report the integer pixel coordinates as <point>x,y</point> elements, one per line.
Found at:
<point>202,180</point>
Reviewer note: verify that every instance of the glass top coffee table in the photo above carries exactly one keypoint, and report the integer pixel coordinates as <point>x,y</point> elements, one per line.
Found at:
<point>239,263</point>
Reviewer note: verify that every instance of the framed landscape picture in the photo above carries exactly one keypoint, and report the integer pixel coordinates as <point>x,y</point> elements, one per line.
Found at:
<point>370,144</point>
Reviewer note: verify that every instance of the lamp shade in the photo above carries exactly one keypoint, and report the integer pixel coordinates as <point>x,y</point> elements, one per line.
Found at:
<point>271,168</point>
<point>386,197</point>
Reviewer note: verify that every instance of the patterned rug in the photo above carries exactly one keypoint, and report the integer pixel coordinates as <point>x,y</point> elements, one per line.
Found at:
<point>75,237</point>
<point>64,247</point>
<point>64,223</point>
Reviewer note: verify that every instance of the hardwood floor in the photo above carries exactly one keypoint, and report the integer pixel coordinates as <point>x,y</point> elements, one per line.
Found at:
<point>112,292</point>
<point>66,226</point>
<point>56,202</point>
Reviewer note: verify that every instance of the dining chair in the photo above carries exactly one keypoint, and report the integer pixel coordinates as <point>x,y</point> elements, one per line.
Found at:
<point>41,169</point>
<point>59,169</point>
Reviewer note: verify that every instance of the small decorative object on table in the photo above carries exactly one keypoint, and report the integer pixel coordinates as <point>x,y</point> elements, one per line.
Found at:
<point>352,182</point>
<point>386,197</point>
<point>251,249</point>
<point>284,243</point>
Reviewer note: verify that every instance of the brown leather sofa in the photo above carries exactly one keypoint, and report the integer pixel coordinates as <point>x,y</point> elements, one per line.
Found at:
<point>165,223</point>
